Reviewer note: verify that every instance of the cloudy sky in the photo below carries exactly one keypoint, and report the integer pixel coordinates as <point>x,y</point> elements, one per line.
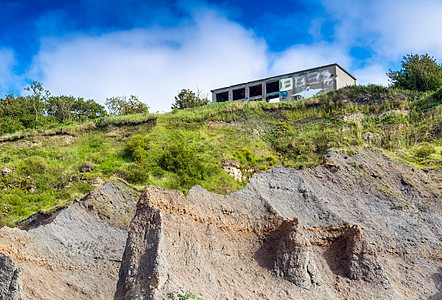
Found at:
<point>152,49</point>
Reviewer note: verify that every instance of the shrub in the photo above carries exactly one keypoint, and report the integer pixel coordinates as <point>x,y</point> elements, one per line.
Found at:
<point>187,99</point>
<point>135,173</point>
<point>271,160</point>
<point>393,119</point>
<point>424,150</point>
<point>32,166</point>
<point>137,147</point>
<point>122,106</point>
<point>182,160</point>
<point>157,171</point>
<point>438,94</point>
<point>245,155</point>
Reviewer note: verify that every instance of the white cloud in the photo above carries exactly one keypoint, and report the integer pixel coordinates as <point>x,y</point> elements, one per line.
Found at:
<point>372,74</point>
<point>154,64</point>
<point>391,28</point>
<point>410,26</point>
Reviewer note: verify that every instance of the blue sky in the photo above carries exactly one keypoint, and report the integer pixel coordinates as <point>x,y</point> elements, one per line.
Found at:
<point>152,49</point>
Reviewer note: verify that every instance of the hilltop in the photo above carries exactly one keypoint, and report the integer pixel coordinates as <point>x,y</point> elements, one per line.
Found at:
<point>335,196</point>
<point>217,146</point>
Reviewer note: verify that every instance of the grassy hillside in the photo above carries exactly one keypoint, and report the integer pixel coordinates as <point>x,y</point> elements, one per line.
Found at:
<point>180,149</point>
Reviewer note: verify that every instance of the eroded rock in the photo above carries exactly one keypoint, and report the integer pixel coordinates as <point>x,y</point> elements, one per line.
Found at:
<point>361,259</point>
<point>249,244</point>
<point>73,252</point>
<point>295,259</point>
<point>232,168</point>
<point>10,279</point>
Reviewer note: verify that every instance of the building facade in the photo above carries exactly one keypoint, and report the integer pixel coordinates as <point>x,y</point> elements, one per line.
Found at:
<point>288,87</point>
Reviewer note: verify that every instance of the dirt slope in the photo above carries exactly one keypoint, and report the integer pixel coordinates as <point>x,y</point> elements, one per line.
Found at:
<point>360,227</point>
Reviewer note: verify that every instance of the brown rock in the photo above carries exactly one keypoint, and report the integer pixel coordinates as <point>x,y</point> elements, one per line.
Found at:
<point>85,167</point>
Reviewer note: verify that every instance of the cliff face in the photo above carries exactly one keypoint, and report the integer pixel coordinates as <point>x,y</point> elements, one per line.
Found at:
<point>72,253</point>
<point>359,227</point>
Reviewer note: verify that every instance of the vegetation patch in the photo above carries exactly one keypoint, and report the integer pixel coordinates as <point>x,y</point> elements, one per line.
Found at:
<point>185,147</point>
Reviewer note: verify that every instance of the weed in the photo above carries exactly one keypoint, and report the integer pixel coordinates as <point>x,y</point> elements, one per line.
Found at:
<point>183,295</point>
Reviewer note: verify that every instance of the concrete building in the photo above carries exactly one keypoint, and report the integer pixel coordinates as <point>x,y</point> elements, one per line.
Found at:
<point>288,87</point>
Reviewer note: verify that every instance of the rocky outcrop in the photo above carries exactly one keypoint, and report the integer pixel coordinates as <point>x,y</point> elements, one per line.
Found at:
<point>360,258</point>
<point>10,283</point>
<point>295,259</point>
<point>346,229</point>
<point>73,252</point>
<point>232,168</point>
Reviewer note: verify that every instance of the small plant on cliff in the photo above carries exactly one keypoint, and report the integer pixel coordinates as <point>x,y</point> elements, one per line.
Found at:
<point>424,150</point>
<point>184,295</point>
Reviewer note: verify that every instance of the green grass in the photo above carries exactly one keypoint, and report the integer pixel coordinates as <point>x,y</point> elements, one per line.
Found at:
<point>179,149</point>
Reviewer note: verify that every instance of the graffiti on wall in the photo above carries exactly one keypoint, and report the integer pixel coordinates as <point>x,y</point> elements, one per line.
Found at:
<point>286,84</point>
<point>311,83</point>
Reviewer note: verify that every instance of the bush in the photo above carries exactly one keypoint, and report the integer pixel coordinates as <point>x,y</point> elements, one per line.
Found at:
<point>137,147</point>
<point>187,99</point>
<point>438,94</point>
<point>122,106</point>
<point>32,166</point>
<point>182,160</point>
<point>424,150</point>
<point>393,119</point>
<point>271,160</point>
<point>135,173</point>
<point>245,155</point>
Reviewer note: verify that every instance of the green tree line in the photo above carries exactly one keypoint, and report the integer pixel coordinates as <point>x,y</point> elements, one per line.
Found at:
<point>41,109</point>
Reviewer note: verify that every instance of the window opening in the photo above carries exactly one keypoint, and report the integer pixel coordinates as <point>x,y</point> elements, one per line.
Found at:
<point>239,94</point>
<point>272,87</point>
<point>255,90</point>
<point>222,97</point>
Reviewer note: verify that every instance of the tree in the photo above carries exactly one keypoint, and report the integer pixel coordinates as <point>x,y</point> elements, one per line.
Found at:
<point>15,114</point>
<point>65,109</point>
<point>40,108</point>
<point>121,106</point>
<point>38,99</point>
<point>418,72</point>
<point>186,99</point>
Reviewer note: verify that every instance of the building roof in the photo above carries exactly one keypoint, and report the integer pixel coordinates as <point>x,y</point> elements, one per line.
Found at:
<point>282,75</point>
